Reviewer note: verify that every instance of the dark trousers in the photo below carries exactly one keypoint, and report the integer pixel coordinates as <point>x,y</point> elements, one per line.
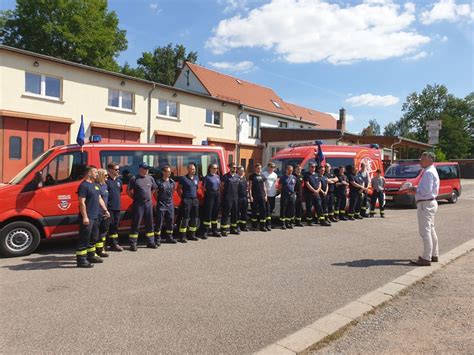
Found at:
<point>164,218</point>
<point>287,207</point>
<point>324,206</point>
<point>104,224</point>
<point>354,203</point>
<point>313,201</point>
<point>298,208</point>
<point>330,203</point>
<point>377,195</point>
<point>259,209</point>
<point>114,222</point>
<point>230,211</point>
<point>243,211</point>
<point>189,212</point>
<point>364,202</point>
<point>88,237</point>
<point>341,202</point>
<point>142,210</point>
<point>270,207</point>
<point>212,200</point>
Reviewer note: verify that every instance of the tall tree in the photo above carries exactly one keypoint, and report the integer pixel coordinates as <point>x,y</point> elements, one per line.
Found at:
<point>372,129</point>
<point>80,31</point>
<point>161,64</point>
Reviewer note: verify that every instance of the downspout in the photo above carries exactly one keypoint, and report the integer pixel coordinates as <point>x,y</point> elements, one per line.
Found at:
<point>148,127</point>
<point>391,148</point>
<point>238,129</point>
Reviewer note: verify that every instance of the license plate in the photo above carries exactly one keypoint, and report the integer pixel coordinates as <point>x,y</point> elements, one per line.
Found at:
<point>388,197</point>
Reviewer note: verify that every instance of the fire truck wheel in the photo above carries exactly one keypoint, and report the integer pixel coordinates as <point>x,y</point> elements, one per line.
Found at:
<point>454,197</point>
<point>19,239</point>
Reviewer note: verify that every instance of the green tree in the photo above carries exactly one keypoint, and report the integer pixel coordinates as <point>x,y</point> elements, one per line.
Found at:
<point>372,129</point>
<point>136,72</point>
<point>161,64</point>
<point>80,31</point>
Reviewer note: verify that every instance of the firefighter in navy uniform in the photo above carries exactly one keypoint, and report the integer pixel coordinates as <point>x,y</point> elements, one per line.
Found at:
<point>364,179</point>
<point>288,198</point>
<point>90,203</point>
<point>312,197</point>
<point>299,196</point>
<point>355,188</point>
<point>258,198</point>
<point>230,208</point>
<point>212,200</point>
<point>332,179</point>
<point>243,199</point>
<point>323,194</point>
<point>189,208</point>
<point>114,186</point>
<point>164,206</point>
<point>341,189</point>
<point>140,190</point>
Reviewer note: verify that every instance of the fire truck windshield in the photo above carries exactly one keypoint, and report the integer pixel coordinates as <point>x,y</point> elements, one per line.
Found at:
<point>280,164</point>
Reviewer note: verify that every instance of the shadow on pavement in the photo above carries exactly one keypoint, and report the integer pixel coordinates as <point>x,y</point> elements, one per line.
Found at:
<point>46,262</point>
<point>374,262</point>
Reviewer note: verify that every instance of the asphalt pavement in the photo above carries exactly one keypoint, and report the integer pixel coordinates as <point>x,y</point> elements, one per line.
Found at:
<point>223,295</point>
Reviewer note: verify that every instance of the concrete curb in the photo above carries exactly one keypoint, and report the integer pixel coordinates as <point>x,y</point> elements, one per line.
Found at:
<point>312,334</point>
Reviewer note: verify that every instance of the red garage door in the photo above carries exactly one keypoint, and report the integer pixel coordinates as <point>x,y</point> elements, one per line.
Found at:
<point>110,135</point>
<point>26,139</point>
<point>164,139</point>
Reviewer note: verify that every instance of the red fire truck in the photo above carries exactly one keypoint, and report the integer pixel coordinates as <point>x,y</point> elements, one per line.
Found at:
<point>41,201</point>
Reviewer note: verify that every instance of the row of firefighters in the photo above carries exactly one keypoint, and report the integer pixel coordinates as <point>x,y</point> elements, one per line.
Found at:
<point>322,190</point>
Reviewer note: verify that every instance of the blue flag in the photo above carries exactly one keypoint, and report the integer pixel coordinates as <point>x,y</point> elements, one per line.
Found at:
<point>81,135</point>
<point>320,155</point>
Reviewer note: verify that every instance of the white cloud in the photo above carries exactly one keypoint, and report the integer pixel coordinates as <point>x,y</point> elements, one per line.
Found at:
<point>238,67</point>
<point>306,31</point>
<point>373,100</point>
<point>154,8</point>
<point>417,56</point>
<point>233,5</point>
<point>446,10</point>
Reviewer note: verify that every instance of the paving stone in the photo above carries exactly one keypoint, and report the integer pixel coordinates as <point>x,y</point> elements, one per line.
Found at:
<point>354,309</point>
<point>330,323</point>
<point>374,298</point>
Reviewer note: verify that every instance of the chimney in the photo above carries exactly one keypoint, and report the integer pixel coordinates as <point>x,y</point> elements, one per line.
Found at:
<point>341,123</point>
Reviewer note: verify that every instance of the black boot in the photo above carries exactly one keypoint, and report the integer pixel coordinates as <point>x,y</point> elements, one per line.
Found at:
<point>263,227</point>
<point>254,226</point>
<point>243,227</point>
<point>192,236</point>
<point>114,246</point>
<point>283,225</point>
<point>83,262</point>
<point>93,258</point>
<point>133,247</point>
<point>101,253</point>
<point>289,225</point>
<point>268,225</point>
<point>234,231</point>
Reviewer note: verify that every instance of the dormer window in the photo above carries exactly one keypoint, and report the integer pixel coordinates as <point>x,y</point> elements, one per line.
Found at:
<point>277,105</point>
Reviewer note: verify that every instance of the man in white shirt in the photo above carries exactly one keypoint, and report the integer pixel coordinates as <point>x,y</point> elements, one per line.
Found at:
<point>271,186</point>
<point>426,204</point>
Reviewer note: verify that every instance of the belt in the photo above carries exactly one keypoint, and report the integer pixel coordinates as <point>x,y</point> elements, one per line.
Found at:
<point>430,199</point>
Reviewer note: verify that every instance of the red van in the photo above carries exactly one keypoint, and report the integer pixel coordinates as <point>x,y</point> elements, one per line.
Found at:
<point>404,174</point>
<point>41,201</point>
<point>337,155</point>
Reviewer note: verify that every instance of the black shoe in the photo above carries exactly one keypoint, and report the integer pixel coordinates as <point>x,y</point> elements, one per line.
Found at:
<point>298,224</point>
<point>244,229</point>
<point>216,234</point>
<point>358,217</point>
<point>223,234</point>
<point>350,219</point>
<point>84,265</point>
<point>193,238</point>
<point>343,218</point>
<point>325,223</point>
<point>94,259</point>
<point>152,246</point>
<point>158,241</point>
<point>235,232</point>
<point>372,215</point>
<point>133,247</point>
<point>263,229</point>
<point>182,240</point>
<point>365,215</point>
<point>382,216</point>
<point>102,254</point>
<point>269,228</point>
<point>289,226</point>
<point>204,236</point>
<point>283,227</point>
<point>309,224</point>
<point>171,240</point>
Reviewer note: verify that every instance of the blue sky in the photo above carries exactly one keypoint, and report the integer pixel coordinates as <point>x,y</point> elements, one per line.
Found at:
<point>366,56</point>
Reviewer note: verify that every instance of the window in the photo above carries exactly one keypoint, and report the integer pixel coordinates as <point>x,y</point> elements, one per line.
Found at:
<point>58,142</point>
<point>42,85</point>
<point>277,105</point>
<point>230,158</point>
<point>243,162</point>
<point>213,117</point>
<point>67,167</point>
<point>254,122</point>
<point>446,172</point>
<point>15,148</point>
<point>121,99</point>
<point>282,124</point>
<point>177,160</point>
<point>251,165</point>
<point>38,147</point>
<point>168,108</point>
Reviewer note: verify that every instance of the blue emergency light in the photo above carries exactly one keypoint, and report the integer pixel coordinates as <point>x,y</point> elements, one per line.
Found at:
<point>96,138</point>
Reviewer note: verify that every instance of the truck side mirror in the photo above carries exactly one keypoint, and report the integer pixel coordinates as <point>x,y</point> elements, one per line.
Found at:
<point>38,179</point>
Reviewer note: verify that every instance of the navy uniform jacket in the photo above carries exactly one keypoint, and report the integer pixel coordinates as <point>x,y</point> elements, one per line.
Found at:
<point>115,190</point>
<point>142,187</point>
<point>189,186</point>
<point>165,193</point>
<point>288,183</point>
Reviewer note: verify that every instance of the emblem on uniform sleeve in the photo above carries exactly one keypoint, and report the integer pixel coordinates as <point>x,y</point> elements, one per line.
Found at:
<point>64,202</point>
